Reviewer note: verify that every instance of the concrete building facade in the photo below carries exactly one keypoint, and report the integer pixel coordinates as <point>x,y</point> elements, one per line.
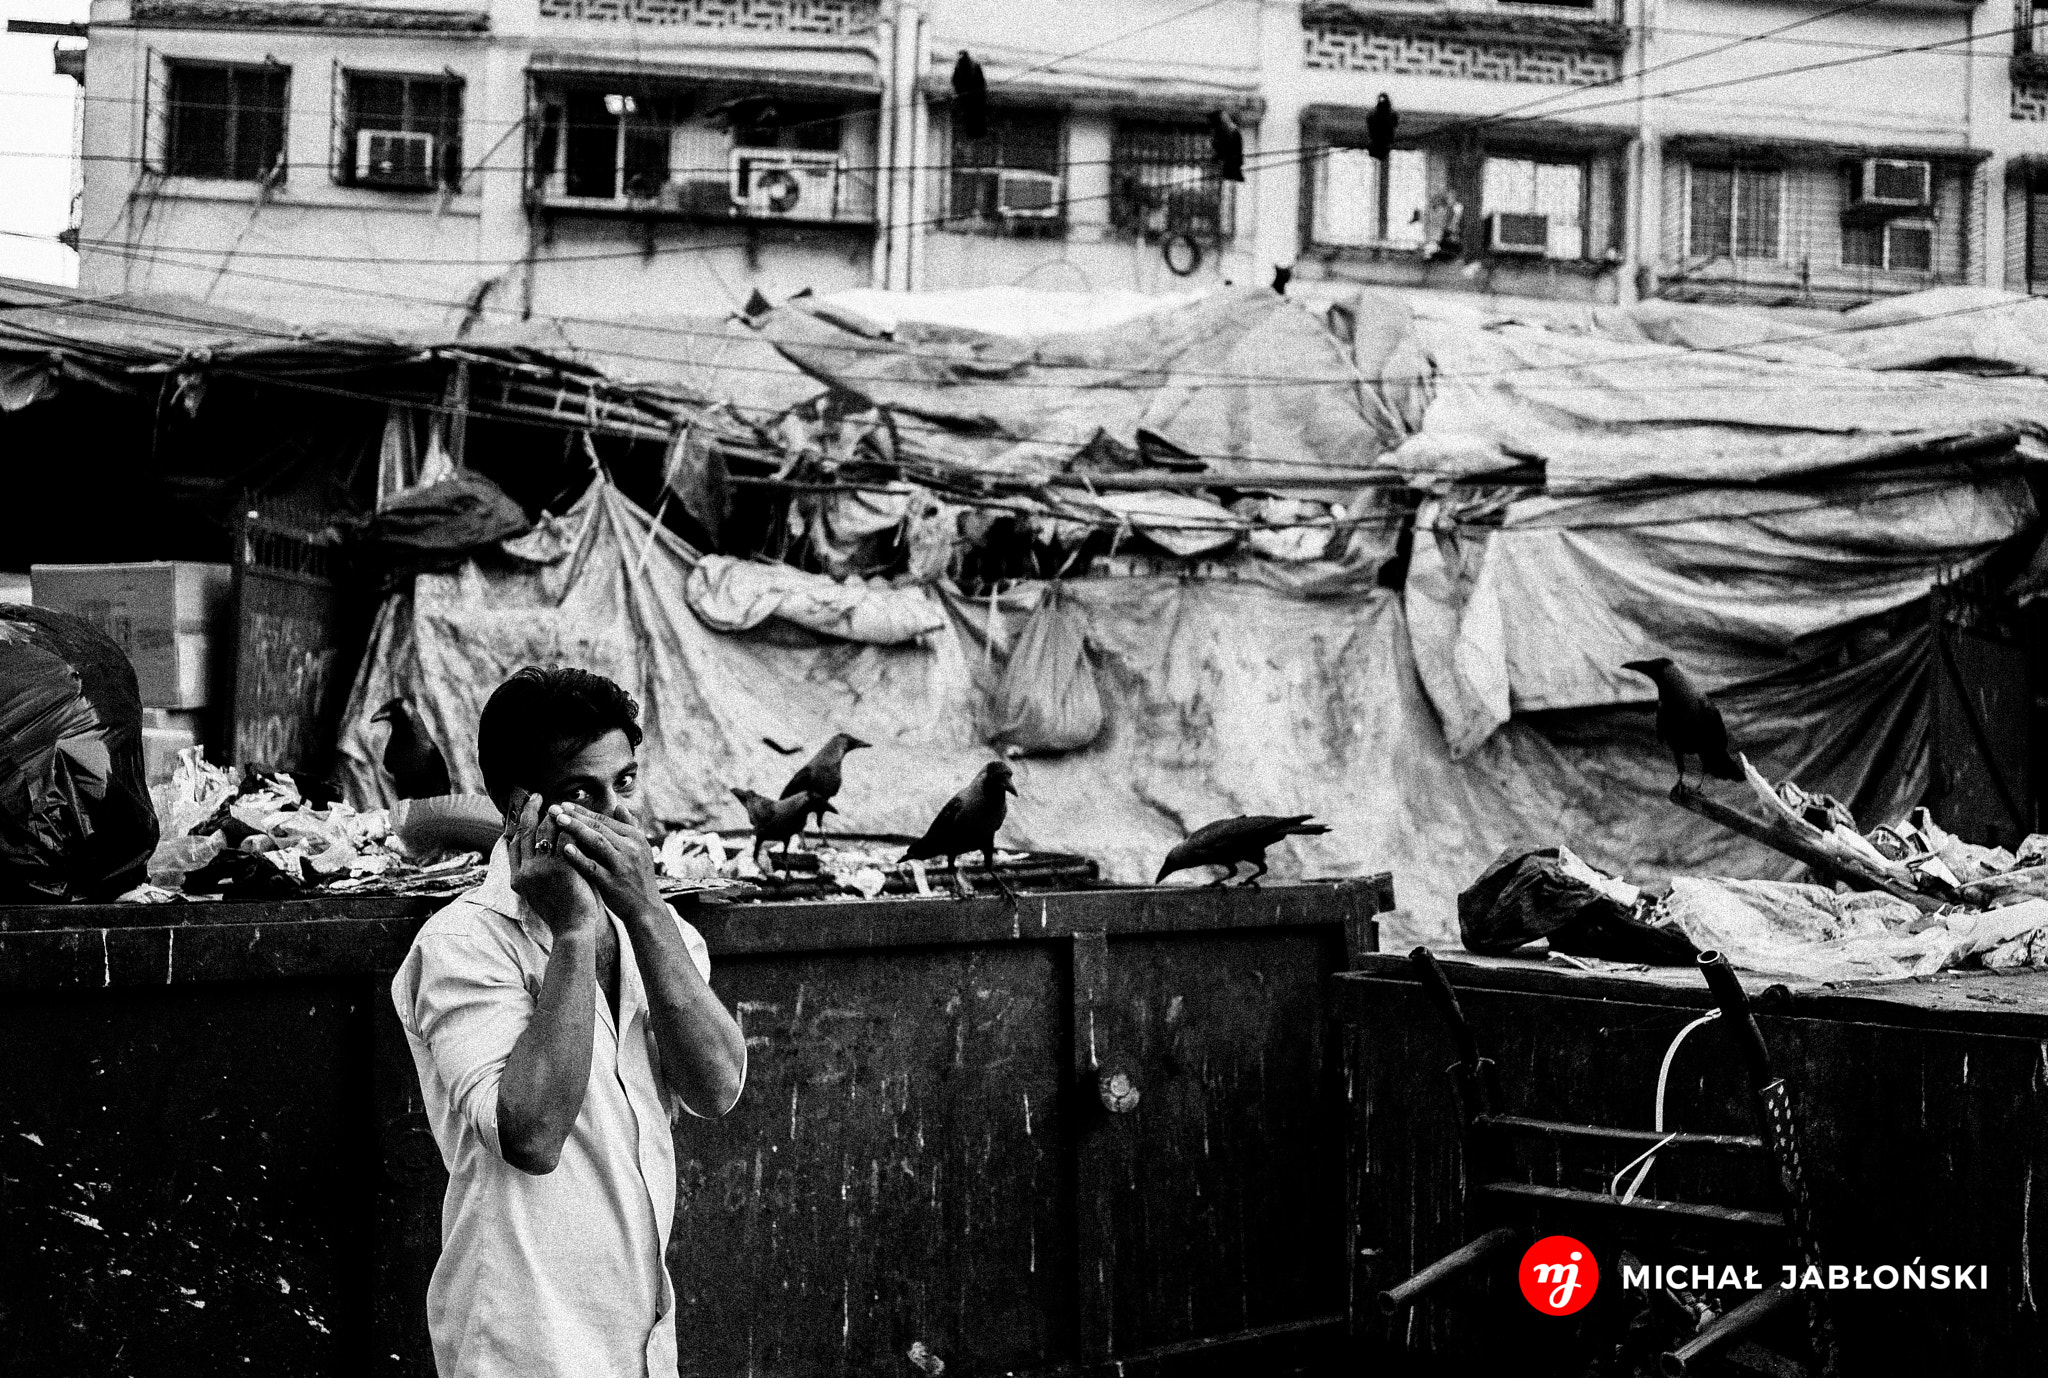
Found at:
<point>625,158</point>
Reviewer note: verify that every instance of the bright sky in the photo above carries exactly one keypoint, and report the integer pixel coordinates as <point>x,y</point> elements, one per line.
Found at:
<point>36,111</point>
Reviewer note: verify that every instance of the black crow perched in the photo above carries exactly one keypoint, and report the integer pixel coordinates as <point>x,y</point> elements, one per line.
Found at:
<point>1282,275</point>
<point>821,776</point>
<point>1226,146</point>
<point>778,820</point>
<point>416,766</point>
<point>1687,720</point>
<point>970,97</point>
<point>968,823</point>
<point>1379,128</point>
<point>1234,841</point>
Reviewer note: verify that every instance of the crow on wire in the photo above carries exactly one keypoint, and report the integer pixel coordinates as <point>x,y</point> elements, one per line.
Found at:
<point>1237,841</point>
<point>778,820</point>
<point>416,766</point>
<point>1687,720</point>
<point>968,823</point>
<point>970,97</point>
<point>821,776</point>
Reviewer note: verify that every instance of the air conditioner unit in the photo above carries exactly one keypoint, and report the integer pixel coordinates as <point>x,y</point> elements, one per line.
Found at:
<point>1027,195</point>
<point>1895,182</point>
<point>1909,246</point>
<point>1518,232</point>
<point>393,158</point>
<point>785,183</point>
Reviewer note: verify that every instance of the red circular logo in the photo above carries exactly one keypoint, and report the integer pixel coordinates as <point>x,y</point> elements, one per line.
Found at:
<point>1559,1275</point>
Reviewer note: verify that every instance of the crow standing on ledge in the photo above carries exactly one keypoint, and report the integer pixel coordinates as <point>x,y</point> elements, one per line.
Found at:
<point>778,820</point>
<point>1234,841</point>
<point>1379,128</point>
<point>970,97</point>
<point>820,777</point>
<point>1687,720</point>
<point>415,765</point>
<point>968,823</point>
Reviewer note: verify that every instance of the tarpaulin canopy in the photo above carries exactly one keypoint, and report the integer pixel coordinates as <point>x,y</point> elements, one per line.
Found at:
<point>1219,698</point>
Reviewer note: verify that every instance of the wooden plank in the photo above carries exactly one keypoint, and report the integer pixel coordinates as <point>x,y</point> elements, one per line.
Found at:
<point>1799,848</point>
<point>1095,1251</point>
<point>334,936</point>
<point>2013,1005</point>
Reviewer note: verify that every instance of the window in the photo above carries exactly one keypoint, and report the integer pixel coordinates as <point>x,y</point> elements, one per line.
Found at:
<point>1011,174</point>
<point>694,153</point>
<point>1894,246</point>
<point>1734,212</point>
<point>1555,191</point>
<point>226,122</point>
<point>402,131</point>
<point>1358,205</point>
<point>1164,181</point>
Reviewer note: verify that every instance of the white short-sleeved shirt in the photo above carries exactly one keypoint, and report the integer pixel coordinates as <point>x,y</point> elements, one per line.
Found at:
<point>562,1275</point>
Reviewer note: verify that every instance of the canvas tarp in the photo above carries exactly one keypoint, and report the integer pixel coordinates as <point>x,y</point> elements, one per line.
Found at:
<point>1221,698</point>
<point>1540,611</point>
<point>1237,380</point>
<point>1605,413</point>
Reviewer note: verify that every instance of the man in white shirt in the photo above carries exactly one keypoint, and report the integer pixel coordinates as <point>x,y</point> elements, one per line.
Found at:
<point>558,1015</point>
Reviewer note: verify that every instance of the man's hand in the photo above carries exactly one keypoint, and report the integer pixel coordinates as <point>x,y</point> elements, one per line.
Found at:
<point>542,875</point>
<point>613,856</point>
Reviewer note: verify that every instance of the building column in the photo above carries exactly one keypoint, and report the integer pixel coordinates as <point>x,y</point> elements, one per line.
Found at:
<point>1275,182</point>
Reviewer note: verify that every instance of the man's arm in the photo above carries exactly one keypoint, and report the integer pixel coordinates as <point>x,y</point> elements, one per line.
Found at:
<point>540,1091</point>
<point>703,1052</point>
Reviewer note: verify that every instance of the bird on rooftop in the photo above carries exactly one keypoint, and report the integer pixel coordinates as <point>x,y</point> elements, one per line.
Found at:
<point>968,823</point>
<point>970,97</point>
<point>821,776</point>
<point>778,820</point>
<point>1380,126</point>
<point>416,766</point>
<point>1687,720</point>
<point>1236,841</point>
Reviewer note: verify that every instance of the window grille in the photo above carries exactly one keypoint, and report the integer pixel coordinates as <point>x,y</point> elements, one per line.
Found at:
<point>1163,181</point>
<point>227,122</point>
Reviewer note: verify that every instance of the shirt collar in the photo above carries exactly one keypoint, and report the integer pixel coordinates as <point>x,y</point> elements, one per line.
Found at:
<point>497,895</point>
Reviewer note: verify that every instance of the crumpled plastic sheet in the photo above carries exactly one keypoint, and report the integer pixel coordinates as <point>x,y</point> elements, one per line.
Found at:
<point>731,595</point>
<point>1812,933</point>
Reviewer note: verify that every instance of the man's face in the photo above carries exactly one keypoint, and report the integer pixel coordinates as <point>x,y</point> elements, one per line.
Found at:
<point>601,776</point>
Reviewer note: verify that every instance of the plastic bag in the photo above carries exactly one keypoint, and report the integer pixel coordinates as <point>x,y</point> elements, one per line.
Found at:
<point>75,815</point>
<point>1048,701</point>
<point>1547,892</point>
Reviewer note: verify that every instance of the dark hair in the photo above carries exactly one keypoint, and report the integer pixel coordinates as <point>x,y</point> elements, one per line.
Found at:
<point>540,715</point>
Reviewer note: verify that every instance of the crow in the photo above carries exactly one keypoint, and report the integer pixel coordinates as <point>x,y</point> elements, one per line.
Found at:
<point>820,776</point>
<point>1282,275</point>
<point>1379,128</point>
<point>1226,146</point>
<point>1687,720</point>
<point>778,820</point>
<point>970,97</point>
<point>968,823</point>
<point>416,766</point>
<point>1231,841</point>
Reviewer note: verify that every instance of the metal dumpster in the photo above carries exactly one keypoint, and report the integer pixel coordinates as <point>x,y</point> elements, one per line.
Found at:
<point>1099,1127</point>
<point>1923,1118</point>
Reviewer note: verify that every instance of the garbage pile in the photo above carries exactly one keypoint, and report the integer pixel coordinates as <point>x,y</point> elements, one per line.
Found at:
<point>1922,900</point>
<point>267,834</point>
